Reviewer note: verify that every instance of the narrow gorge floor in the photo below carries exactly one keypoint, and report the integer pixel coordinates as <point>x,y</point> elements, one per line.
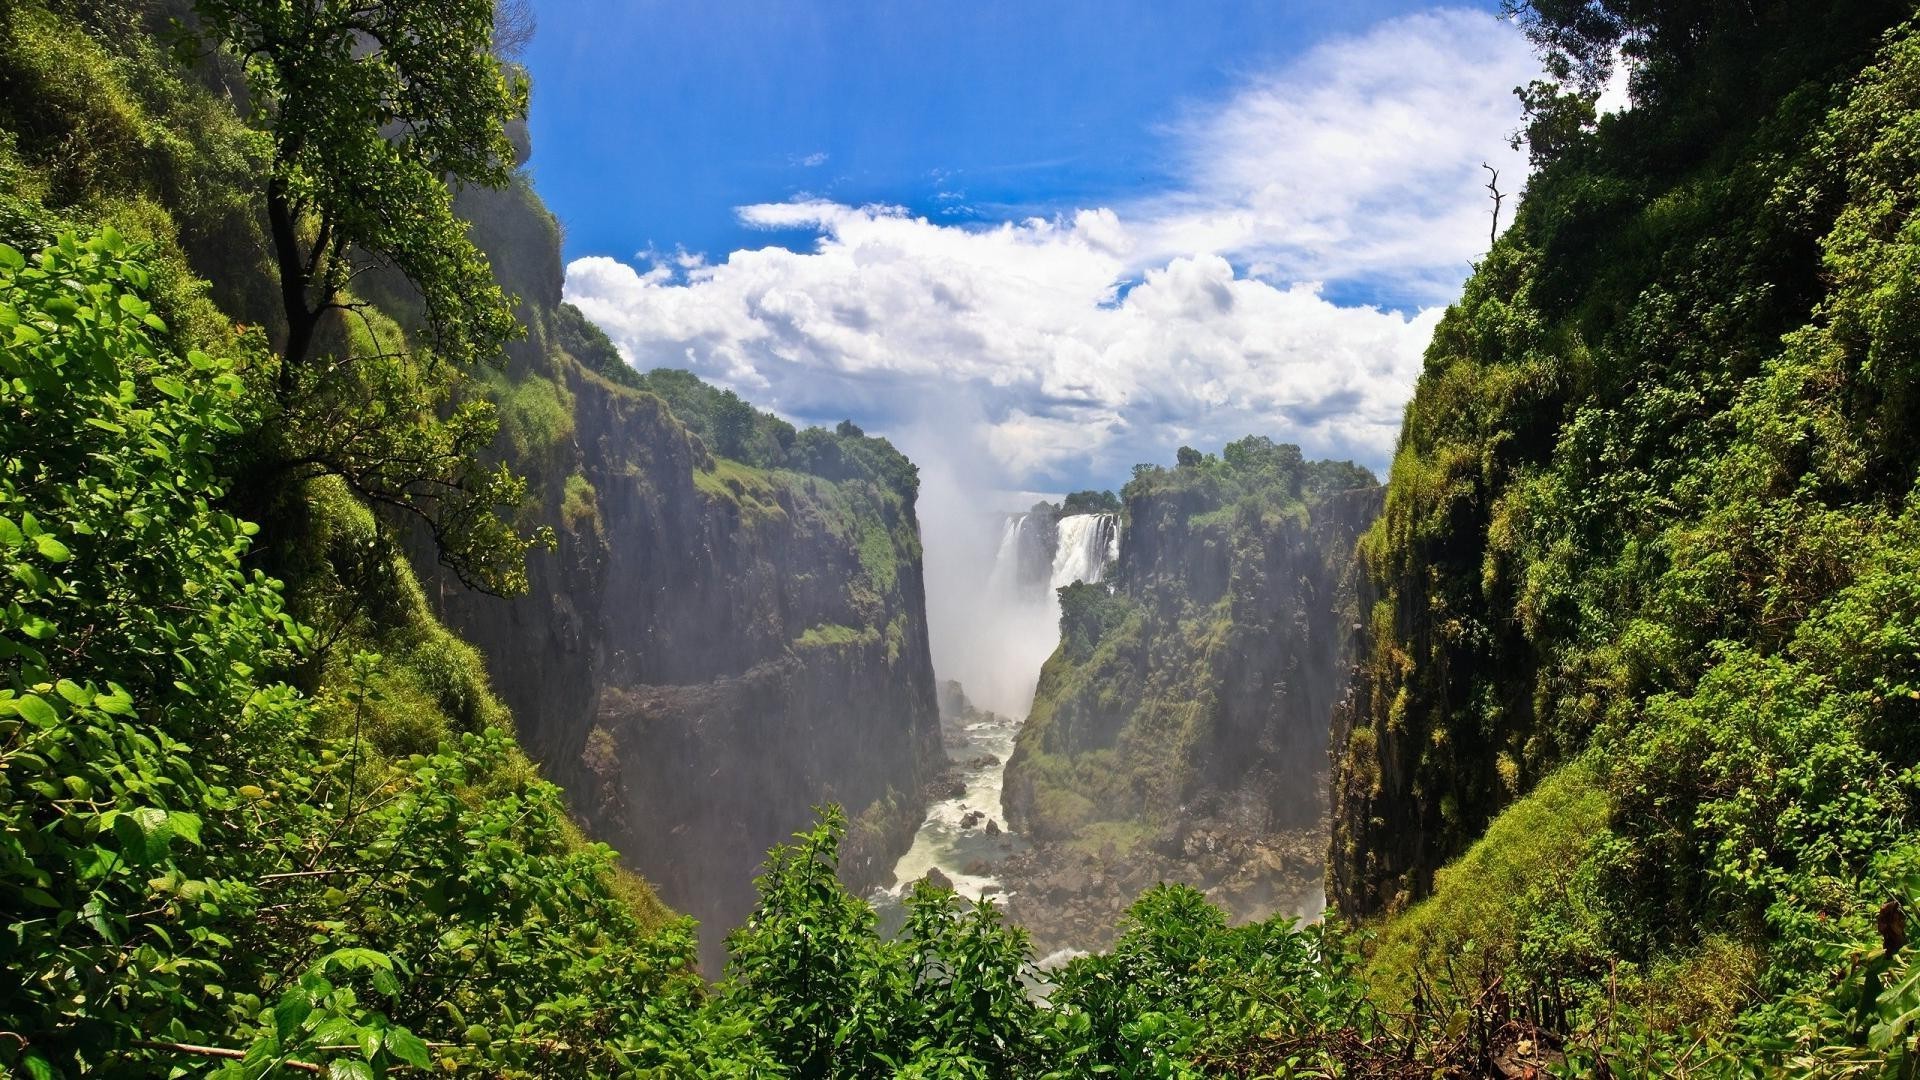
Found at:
<point>1070,897</point>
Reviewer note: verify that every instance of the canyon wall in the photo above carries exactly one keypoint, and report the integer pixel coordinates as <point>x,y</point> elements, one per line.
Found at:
<point>1190,695</point>
<point>712,648</point>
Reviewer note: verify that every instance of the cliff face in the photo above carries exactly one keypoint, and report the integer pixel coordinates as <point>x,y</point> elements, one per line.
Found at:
<point>712,648</point>
<point>1201,686</point>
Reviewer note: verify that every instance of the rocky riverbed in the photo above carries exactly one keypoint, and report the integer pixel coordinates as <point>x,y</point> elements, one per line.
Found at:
<point>1068,897</point>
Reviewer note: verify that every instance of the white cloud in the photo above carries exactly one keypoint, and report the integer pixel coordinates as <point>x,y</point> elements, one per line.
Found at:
<point>1360,161</point>
<point>1617,95</point>
<point>1061,350</point>
<point>811,161</point>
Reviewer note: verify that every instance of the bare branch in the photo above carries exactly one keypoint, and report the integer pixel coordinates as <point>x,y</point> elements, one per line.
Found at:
<point>1493,185</point>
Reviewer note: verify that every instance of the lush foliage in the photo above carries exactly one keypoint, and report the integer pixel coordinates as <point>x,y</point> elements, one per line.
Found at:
<point>1644,644</point>
<point>197,855</point>
<point>733,428</point>
<point>371,107</point>
<point>370,111</point>
<point>1090,502</point>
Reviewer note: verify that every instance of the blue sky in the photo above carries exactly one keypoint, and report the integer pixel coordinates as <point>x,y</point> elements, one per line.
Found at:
<point>1045,239</point>
<point>653,121</point>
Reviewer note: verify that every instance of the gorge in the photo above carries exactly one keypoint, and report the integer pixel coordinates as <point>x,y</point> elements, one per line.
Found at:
<point>399,673</point>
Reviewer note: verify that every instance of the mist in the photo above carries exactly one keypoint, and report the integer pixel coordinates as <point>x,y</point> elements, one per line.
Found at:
<point>985,632</point>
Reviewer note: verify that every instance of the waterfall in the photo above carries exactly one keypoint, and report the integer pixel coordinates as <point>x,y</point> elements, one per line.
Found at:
<point>1037,554</point>
<point>1087,544</point>
<point>1084,546</point>
<point>1004,582</point>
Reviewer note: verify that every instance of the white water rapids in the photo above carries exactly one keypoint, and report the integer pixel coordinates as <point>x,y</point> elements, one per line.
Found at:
<point>1020,589</point>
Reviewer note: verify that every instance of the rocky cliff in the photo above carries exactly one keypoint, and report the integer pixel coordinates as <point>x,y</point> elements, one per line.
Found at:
<point>1192,696</point>
<point>712,648</point>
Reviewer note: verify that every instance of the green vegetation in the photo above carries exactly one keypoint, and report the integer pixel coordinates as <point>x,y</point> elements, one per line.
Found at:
<point>1090,502</point>
<point>198,854</point>
<point>580,503</point>
<point>1630,780</point>
<point>1646,630</point>
<point>831,634</point>
<point>364,142</point>
<point>813,989</point>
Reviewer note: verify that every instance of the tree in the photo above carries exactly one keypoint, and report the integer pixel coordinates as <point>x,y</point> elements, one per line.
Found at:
<point>1090,502</point>
<point>1576,38</point>
<point>373,106</point>
<point>1188,457</point>
<point>733,423</point>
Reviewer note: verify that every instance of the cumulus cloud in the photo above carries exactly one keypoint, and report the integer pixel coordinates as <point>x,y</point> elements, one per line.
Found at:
<point>1057,351</point>
<point>1360,163</point>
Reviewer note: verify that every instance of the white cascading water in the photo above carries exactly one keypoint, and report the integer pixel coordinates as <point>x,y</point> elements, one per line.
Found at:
<point>1088,542</point>
<point>1005,579</point>
<point>1023,602</point>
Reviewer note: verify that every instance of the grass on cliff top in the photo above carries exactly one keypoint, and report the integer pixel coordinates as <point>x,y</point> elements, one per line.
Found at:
<point>1127,837</point>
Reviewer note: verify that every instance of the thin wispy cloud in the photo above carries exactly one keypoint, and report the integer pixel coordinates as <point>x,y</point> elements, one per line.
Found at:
<point>1062,349</point>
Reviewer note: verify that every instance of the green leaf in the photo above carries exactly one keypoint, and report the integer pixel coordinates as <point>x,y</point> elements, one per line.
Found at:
<point>384,982</point>
<point>170,386</point>
<point>406,1046</point>
<point>51,549</point>
<point>116,701</point>
<point>38,1068</point>
<point>185,825</point>
<point>35,711</point>
<point>355,959</point>
<point>349,1069</point>
<point>10,534</point>
<point>144,835</point>
<point>11,259</point>
<point>292,1011</point>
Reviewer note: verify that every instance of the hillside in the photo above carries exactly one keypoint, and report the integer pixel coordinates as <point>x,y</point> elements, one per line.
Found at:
<point>731,627</point>
<point>1642,623</point>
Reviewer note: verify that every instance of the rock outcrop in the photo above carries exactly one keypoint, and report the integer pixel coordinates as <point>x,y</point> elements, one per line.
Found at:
<point>1191,695</point>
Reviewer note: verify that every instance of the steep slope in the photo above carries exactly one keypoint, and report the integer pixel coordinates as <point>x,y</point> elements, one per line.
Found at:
<point>1646,550</point>
<point>713,648</point>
